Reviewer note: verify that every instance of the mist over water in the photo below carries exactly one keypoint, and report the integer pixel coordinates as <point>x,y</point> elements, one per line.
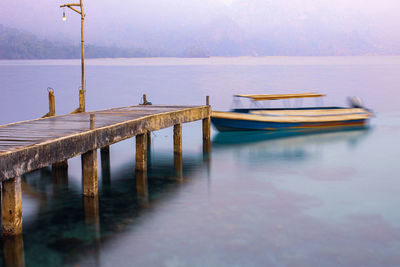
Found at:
<point>326,199</point>
<point>219,27</point>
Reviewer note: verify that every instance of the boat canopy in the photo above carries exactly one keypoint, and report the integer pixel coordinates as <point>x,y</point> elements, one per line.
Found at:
<point>279,96</point>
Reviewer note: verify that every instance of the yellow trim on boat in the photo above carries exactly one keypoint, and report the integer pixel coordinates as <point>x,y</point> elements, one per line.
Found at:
<point>280,96</point>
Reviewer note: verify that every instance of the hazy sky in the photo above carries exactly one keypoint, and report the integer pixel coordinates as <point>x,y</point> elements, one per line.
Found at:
<point>136,22</point>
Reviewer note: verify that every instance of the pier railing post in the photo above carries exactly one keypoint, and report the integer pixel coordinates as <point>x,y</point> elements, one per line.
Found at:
<point>52,104</point>
<point>11,207</point>
<point>89,169</point>
<point>207,130</point>
<point>178,150</point>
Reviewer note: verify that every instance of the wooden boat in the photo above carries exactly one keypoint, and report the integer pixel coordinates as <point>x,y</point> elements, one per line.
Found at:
<point>290,119</point>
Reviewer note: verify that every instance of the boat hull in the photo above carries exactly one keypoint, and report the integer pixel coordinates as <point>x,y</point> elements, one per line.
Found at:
<point>292,120</point>
<point>225,125</point>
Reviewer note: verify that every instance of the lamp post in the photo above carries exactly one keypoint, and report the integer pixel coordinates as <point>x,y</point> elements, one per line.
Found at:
<point>82,90</point>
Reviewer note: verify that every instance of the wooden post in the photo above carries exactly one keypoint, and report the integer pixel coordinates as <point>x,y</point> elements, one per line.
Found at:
<point>145,102</point>
<point>141,152</point>
<point>60,165</point>
<point>105,164</point>
<point>92,122</point>
<point>148,135</point>
<point>178,150</point>
<point>11,207</point>
<point>89,173</point>
<point>89,169</point>
<point>148,150</point>
<point>82,92</point>
<point>52,104</point>
<point>141,168</point>
<point>59,173</point>
<point>13,251</point>
<point>207,131</point>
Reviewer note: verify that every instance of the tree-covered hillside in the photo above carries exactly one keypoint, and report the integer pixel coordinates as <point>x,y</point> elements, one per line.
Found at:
<point>15,44</point>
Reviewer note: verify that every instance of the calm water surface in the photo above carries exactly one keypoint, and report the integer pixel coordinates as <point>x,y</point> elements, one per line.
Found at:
<point>326,199</point>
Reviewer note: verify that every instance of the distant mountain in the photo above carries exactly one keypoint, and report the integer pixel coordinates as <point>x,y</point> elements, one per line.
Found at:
<point>16,44</point>
<point>220,37</point>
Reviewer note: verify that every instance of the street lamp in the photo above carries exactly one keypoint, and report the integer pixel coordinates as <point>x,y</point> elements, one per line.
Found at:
<point>64,18</point>
<point>82,90</point>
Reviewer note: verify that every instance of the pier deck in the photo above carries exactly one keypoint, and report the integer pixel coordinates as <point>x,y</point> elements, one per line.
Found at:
<point>29,145</point>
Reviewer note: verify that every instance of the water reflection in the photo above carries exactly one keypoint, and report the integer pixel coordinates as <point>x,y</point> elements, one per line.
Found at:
<point>68,226</point>
<point>92,220</point>
<point>13,251</point>
<point>285,146</point>
<point>239,138</point>
<point>142,188</point>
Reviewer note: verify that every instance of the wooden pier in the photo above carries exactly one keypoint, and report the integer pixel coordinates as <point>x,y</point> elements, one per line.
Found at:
<point>30,145</point>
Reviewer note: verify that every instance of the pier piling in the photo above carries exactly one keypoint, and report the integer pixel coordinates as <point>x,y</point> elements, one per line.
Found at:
<point>59,167</point>
<point>89,168</point>
<point>141,167</point>
<point>59,172</point>
<point>141,152</point>
<point>105,164</point>
<point>89,173</point>
<point>11,207</point>
<point>207,131</point>
<point>178,150</point>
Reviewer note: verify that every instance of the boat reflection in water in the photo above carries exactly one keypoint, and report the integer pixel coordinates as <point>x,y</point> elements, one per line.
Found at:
<point>283,145</point>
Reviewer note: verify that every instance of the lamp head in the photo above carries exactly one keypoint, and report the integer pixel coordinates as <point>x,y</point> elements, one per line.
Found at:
<point>64,18</point>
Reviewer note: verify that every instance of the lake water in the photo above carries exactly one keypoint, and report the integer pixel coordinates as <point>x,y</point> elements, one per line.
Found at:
<point>326,199</point>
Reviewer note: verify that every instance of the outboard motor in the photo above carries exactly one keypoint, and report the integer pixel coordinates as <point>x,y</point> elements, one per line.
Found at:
<point>355,102</point>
